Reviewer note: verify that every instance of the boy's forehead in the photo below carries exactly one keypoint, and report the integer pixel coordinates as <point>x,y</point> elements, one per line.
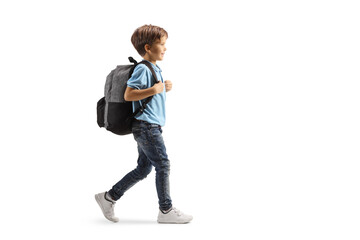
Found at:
<point>163,39</point>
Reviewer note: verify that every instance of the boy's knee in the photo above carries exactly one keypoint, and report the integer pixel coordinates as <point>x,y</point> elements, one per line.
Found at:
<point>164,166</point>
<point>143,172</point>
<point>147,171</point>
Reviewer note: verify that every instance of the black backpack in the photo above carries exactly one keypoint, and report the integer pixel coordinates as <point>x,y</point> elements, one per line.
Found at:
<point>113,112</point>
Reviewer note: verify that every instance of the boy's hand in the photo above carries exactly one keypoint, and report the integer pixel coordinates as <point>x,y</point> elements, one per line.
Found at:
<point>158,87</point>
<point>168,85</point>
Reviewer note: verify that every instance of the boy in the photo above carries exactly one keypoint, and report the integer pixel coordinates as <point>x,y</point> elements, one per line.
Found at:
<point>149,41</point>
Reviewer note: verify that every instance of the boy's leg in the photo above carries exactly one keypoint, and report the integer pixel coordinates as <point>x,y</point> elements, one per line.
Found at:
<point>107,206</point>
<point>149,138</point>
<point>140,172</point>
<point>107,200</point>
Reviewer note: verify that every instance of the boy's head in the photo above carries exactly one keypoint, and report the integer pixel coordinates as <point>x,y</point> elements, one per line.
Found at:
<point>150,39</point>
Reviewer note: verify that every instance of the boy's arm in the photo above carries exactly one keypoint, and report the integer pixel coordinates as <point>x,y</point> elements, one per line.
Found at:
<point>132,94</point>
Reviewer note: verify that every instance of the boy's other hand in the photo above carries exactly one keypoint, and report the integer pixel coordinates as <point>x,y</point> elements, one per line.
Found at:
<point>168,85</point>
<point>158,87</point>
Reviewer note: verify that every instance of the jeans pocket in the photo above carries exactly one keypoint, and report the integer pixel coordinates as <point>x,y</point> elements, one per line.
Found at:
<point>156,131</point>
<point>136,129</point>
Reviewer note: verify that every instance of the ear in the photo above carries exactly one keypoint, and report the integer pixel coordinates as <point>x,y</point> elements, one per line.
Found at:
<point>147,47</point>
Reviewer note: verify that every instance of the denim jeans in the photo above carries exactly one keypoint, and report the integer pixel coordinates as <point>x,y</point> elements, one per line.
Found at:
<point>152,152</point>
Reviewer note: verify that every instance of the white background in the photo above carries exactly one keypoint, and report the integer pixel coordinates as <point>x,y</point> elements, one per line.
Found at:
<point>262,122</point>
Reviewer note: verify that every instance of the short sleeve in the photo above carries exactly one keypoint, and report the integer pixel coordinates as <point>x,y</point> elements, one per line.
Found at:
<point>138,79</point>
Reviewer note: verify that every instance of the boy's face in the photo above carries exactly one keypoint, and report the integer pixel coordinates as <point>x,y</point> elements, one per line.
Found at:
<point>157,50</point>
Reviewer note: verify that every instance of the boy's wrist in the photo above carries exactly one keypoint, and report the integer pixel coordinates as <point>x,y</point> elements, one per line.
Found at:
<point>153,90</point>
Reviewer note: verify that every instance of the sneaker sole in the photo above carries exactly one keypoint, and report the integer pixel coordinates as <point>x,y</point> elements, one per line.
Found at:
<point>173,222</point>
<point>97,198</point>
<point>163,222</point>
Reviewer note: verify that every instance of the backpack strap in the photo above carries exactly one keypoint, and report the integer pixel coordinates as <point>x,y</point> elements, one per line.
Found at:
<point>132,60</point>
<point>147,100</point>
<point>151,69</point>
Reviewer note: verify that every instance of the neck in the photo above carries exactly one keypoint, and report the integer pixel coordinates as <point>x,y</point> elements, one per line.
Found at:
<point>146,57</point>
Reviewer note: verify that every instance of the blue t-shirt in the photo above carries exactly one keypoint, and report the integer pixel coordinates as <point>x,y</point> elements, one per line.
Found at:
<point>142,78</point>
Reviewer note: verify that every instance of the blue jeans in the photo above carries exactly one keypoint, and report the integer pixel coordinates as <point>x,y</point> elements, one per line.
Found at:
<point>152,152</point>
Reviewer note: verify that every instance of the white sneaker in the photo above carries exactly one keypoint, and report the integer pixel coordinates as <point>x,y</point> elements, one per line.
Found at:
<point>174,216</point>
<point>107,207</point>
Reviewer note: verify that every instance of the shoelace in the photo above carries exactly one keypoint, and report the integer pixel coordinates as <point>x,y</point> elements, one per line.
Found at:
<point>178,212</point>
<point>113,205</point>
<point>111,210</point>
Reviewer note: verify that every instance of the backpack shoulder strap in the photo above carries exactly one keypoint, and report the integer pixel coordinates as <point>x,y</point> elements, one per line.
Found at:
<point>132,60</point>
<point>147,100</point>
<point>151,69</point>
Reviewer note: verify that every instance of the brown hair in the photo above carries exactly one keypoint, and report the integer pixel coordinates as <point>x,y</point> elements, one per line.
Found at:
<point>146,34</point>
